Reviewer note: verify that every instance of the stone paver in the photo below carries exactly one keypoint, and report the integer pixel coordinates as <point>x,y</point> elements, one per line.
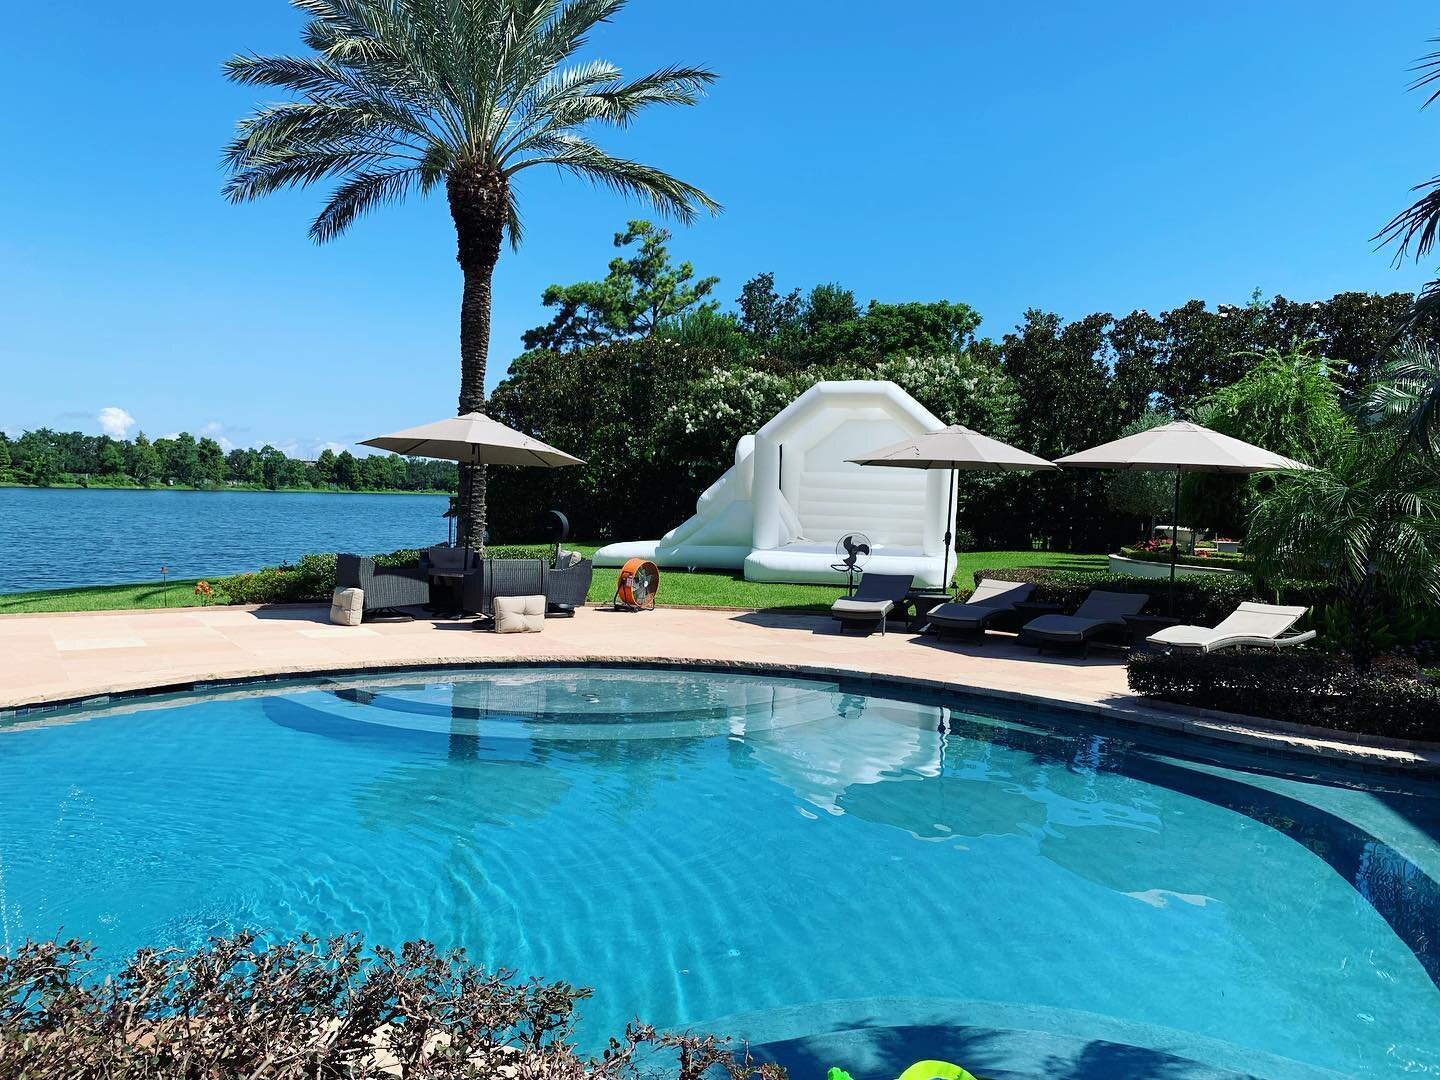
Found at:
<point>50,658</point>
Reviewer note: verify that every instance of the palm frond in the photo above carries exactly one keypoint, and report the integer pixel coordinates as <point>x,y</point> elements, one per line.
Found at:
<point>357,196</point>
<point>1405,397</point>
<point>1428,67</point>
<point>1418,223</point>
<point>664,192</point>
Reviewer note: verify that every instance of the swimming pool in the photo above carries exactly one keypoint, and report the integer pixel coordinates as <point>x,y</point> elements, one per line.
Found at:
<point>830,868</point>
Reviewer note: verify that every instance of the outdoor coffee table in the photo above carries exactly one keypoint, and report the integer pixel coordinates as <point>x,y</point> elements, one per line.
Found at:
<point>1140,627</point>
<point>921,602</point>
<point>453,583</point>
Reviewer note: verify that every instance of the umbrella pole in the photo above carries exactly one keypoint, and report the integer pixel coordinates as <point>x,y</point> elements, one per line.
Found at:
<point>950,516</point>
<point>1174,539</point>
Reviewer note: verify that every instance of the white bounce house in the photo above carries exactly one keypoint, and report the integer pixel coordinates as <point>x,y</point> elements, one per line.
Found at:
<point>791,495</point>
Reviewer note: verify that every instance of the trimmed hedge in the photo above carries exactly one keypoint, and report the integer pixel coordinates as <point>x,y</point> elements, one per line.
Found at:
<point>1304,687</point>
<point>1222,560</point>
<point>1201,600</point>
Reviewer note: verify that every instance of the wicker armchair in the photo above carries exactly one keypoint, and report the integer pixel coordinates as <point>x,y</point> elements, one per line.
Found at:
<point>569,585</point>
<point>386,587</point>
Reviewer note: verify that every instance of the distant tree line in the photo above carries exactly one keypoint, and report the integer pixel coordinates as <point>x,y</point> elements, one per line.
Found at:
<point>44,458</point>
<point>644,376</point>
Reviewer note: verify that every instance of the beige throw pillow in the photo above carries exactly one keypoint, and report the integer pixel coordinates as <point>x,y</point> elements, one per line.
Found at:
<point>347,607</point>
<point>519,614</point>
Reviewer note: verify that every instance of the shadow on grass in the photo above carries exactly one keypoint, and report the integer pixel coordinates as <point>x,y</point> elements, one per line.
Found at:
<point>93,598</point>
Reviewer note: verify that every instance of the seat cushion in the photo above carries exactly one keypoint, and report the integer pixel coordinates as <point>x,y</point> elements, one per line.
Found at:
<point>1063,627</point>
<point>846,608</point>
<point>957,614</point>
<point>519,614</point>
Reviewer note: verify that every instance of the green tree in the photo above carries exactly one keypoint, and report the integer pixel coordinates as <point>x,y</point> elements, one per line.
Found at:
<point>1289,404</point>
<point>347,470</point>
<point>639,293</point>
<point>242,466</point>
<point>145,463</point>
<point>210,458</point>
<point>410,95</point>
<point>764,313</point>
<point>325,467</point>
<point>1062,375</point>
<point>1369,522</point>
<point>1141,493</point>
<point>112,459</point>
<point>4,455</point>
<point>272,467</point>
<point>182,460</point>
<point>44,467</point>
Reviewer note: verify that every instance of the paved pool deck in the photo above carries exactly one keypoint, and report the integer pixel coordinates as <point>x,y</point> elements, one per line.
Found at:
<point>68,658</point>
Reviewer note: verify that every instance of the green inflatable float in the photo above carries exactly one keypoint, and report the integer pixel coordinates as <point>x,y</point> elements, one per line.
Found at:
<point>921,1070</point>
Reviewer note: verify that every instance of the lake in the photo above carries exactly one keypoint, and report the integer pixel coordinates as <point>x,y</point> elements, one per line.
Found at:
<point>56,538</point>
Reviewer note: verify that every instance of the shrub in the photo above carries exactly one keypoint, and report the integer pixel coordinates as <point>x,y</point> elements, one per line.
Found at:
<point>1307,687</point>
<point>272,585</point>
<point>311,1008</point>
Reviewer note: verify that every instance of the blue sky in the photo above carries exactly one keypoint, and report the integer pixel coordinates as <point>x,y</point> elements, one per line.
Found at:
<point>1074,157</point>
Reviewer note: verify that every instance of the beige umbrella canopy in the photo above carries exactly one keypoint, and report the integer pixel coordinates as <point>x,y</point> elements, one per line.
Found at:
<point>1180,447</point>
<point>955,448</point>
<point>473,439</point>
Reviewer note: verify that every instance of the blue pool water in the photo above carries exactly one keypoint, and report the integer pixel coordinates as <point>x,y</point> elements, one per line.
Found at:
<point>773,856</point>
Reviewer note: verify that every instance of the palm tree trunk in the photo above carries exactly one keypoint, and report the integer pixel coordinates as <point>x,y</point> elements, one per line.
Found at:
<point>477,206</point>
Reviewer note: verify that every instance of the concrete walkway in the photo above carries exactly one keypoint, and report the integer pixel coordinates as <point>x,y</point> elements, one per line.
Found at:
<point>67,657</point>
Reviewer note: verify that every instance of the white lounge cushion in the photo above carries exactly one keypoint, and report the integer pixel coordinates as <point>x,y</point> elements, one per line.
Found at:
<point>1260,625</point>
<point>845,607</point>
<point>347,607</point>
<point>519,614</point>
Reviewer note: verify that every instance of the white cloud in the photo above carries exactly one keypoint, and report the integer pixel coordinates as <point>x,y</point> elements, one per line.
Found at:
<point>216,430</point>
<point>333,447</point>
<point>115,421</point>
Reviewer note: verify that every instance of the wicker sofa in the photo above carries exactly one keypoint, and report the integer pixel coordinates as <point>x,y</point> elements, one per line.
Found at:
<point>567,585</point>
<point>386,588</point>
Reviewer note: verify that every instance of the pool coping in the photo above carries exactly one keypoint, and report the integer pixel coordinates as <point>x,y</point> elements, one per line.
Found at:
<point>1210,726</point>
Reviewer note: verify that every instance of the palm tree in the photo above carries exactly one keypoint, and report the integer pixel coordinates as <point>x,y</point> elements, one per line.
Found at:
<point>1419,223</point>
<point>401,96</point>
<point>1406,396</point>
<point>1370,522</point>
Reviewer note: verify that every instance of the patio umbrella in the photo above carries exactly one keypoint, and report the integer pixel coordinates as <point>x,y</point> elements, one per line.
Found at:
<point>1182,447</point>
<point>472,439</point>
<point>955,448</point>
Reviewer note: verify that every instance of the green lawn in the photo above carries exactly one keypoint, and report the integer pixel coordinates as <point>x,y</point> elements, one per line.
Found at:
<point>716,588</point>
<point>103,598</point>
<point>704,588</point>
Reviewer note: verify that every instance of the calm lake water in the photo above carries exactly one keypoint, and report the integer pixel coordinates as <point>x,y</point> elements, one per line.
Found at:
<point>53,538</point>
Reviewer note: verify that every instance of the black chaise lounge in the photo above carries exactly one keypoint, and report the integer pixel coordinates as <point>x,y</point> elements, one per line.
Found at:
<point>992,597</point>
<point>1100,611</point>
<point>872,603</point>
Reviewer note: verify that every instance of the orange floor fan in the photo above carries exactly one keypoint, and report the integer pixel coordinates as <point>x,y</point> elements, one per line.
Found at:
<point>637,585</point>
